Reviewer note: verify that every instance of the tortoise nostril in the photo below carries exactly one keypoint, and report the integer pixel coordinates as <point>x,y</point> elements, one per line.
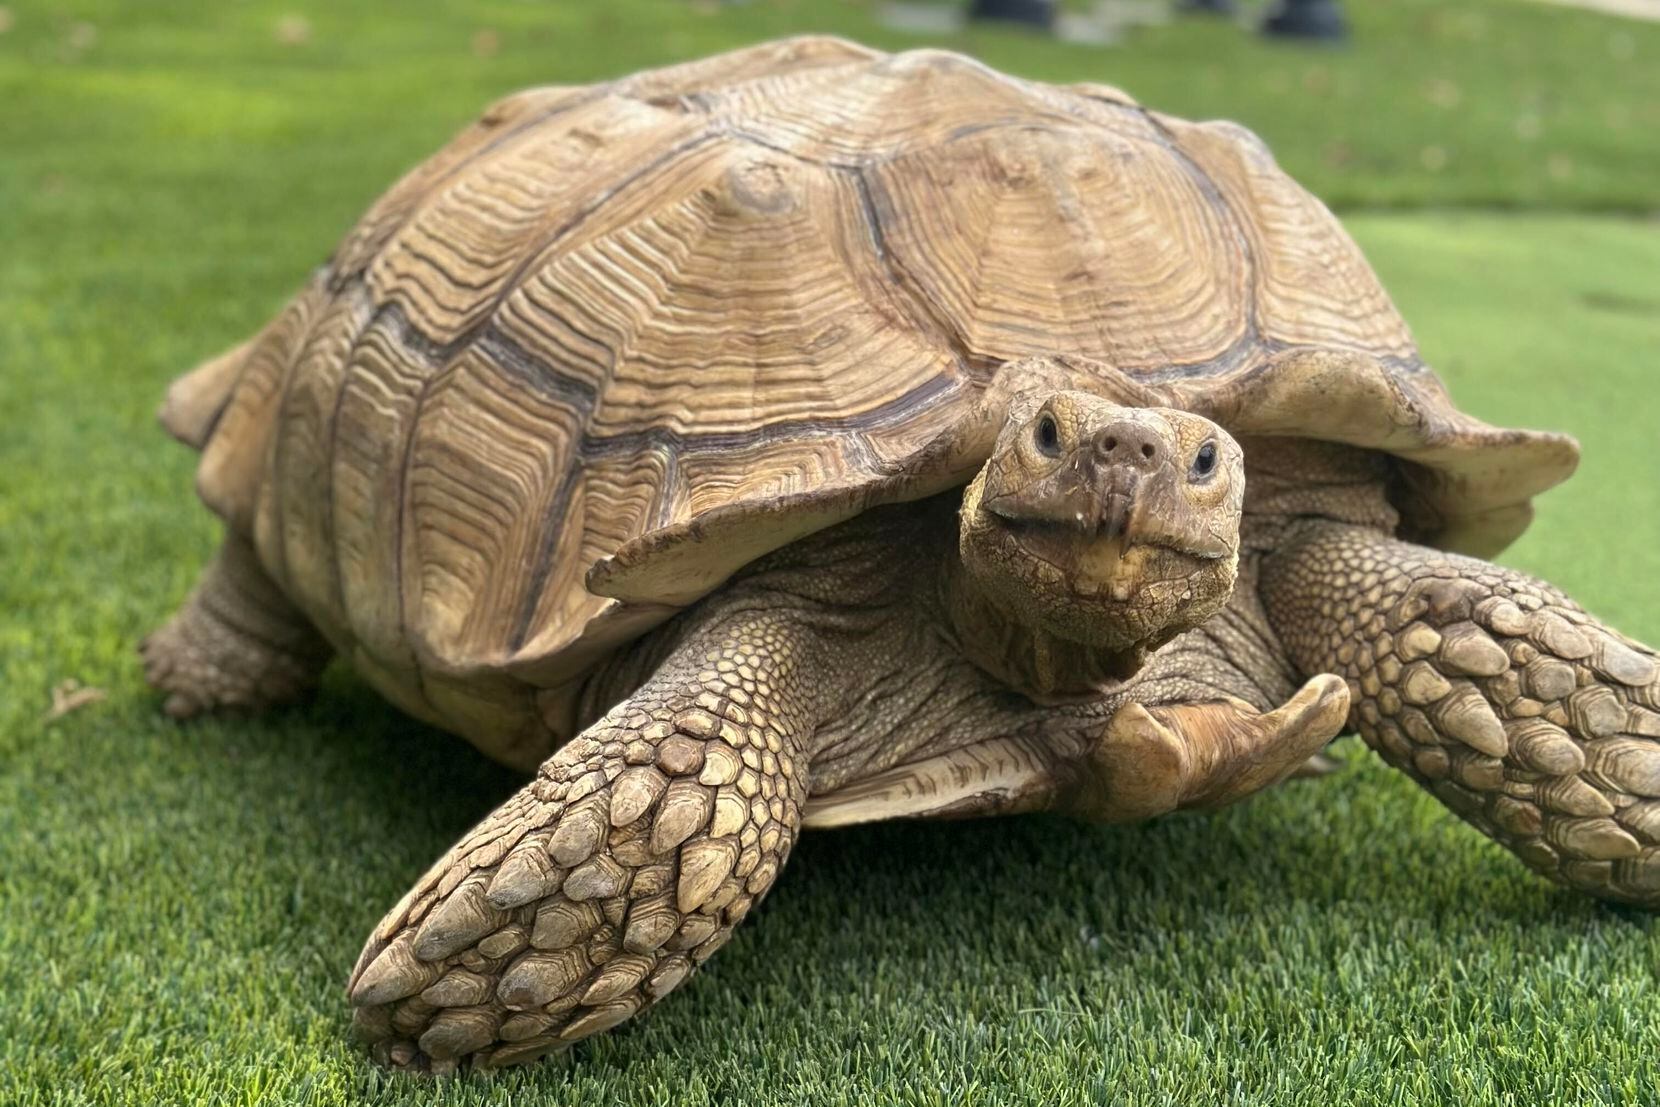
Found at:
<point>1130,444</point>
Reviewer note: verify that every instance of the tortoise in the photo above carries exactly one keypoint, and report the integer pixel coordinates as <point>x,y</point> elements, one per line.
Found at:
<point>811,435</point>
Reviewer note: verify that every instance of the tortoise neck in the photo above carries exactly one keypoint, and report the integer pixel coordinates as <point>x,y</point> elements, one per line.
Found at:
<point>846,590</point>
<point>1292,480</point>
<point>1040,665</point>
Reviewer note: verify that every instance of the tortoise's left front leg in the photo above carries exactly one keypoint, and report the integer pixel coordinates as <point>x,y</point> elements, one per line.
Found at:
<point>601,885</point>
<point>1212,719</point>
<point>1530,718</point>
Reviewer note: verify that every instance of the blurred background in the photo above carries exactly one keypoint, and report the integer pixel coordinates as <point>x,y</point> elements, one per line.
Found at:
<point>1501,103</point>
<point>179,905</point>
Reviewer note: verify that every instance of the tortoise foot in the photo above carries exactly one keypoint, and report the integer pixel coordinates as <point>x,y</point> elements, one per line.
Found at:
<point>597,890</point>
<point>236,643</point>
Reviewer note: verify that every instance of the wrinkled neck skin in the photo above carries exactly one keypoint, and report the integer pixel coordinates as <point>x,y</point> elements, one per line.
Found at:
<point>1292,481</point>
<point>844,592</point>
<point>1042,666</point>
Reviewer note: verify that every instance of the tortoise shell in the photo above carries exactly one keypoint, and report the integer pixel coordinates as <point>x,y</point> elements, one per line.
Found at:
<point>658,327</point>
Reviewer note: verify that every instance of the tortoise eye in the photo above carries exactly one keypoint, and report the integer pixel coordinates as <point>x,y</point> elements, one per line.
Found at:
<point>1048,436</point>
<point>1204,462</point>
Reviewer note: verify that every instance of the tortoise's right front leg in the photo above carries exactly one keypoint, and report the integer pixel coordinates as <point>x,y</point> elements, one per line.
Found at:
<point>601,885</point>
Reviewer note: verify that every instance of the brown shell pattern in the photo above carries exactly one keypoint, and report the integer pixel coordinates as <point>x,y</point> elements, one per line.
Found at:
<point>758,287</point>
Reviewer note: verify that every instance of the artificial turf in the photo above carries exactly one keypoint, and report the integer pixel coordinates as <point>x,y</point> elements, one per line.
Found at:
<point>179,904</point>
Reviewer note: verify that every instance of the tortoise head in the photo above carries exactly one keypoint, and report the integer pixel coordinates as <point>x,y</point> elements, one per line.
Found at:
<point>1112,527</point>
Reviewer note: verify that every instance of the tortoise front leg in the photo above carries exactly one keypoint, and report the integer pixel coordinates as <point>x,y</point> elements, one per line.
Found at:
<point>602,884</point>
<point>1151,761</point>
<point>1122,765</point>
<point>1530,718</point>
<point>1213,719</point>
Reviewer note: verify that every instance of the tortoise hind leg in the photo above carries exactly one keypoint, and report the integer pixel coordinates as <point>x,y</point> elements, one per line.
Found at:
<point>236,642</point>
<point>1528,717</point>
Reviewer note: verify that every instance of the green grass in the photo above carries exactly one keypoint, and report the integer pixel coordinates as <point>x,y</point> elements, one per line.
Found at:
<point>1491,102</point>
<point>179,904</point>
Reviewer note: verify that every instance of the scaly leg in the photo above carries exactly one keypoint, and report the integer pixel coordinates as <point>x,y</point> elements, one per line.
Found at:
<point>1530,718</point>
<point>599,887</point>
<point>236,642</point>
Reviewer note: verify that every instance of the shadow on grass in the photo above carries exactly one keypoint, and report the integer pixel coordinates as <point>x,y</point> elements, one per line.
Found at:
<point>402,792</point>
<point>875,934</point>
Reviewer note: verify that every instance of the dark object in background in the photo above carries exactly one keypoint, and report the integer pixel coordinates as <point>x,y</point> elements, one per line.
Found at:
<point>1032,13</point>
<point>1316,19</point>
<point>1207,7</point>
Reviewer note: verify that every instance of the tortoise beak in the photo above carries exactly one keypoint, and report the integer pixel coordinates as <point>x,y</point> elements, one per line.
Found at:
<point>1118,508</point>
<point>1101,489</point>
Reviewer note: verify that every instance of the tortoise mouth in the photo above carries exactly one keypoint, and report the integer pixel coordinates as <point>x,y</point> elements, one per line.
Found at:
<point>1109,568</point>
<point>1066,545</point>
